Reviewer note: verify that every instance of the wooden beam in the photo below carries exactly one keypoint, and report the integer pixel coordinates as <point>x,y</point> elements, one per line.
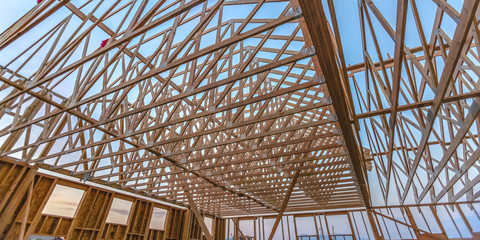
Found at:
<point>397,76</point>
<point>413,226</point>
<point>410,106</point>
<point>317,25</point>
<point>199,217</point>
<point>284,204</point>
<point>371,219</point>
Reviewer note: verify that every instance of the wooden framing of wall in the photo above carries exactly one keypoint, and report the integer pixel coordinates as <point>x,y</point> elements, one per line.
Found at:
<point>393,222</point>
<point>25,190</point>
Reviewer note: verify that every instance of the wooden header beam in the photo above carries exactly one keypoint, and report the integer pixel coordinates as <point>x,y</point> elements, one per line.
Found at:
<point>319,32</point>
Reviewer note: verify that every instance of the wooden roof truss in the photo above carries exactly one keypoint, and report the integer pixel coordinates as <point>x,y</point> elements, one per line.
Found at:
<point>182,97</point>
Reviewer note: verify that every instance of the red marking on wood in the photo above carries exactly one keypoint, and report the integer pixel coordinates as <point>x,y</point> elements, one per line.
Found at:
<point>104,42</point>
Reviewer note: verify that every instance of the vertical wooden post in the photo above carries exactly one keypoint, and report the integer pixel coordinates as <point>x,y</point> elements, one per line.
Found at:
<point>326,226</point>
<point>198,216</point>
<point>254,228</point>
<point>26,211</point>
<point>235,229</point>
<point>316,226</point>
<point>412,222</point>
<point>187,225</point>
<point>351,226</point>
<point>467,223</point>
<point>373,225</point>
<point>437,219</point>
<point>284,204</point>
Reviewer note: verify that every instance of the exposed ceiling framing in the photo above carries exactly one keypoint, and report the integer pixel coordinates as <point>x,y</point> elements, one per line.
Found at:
<point>181,97</point>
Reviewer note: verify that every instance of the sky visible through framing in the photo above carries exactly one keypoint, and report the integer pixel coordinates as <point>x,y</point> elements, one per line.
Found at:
<point>349,26</point>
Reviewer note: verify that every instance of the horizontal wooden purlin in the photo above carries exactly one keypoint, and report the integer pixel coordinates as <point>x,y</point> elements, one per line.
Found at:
<point>388,63</point>
<point>270,191</point>
<point>279,194</point>
<point>246,175</point>
<point>309,183</point>
<point>286,166</point>
<point>245,182</point>
<point>259,148</point>
<point>422,104</point>
<point>211,195</point>
<point>258,184</point>
<point>219,179</point>
<point>294,201</point>
<point>258,180</point>
<point>224,162</point>
<point>280,37</point>
<point>337,179</point>
<point>233,153</point>
<point>330,197</point>
<point>221,201</point>
<point>177,172</point>
<point>205,193</point>
<point>260,62</point>
<point>254,136</point>
<point>209,201</point>
<point>206,204</point>
<point>326,199</point>
<point>241,169</point>
<point>210,113</point>
<point>207,190</point>
<point>352,191</point>
<point>334,205</point>
<point>214,208</point>
<point>215,201</point>
<point>444,144</point>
